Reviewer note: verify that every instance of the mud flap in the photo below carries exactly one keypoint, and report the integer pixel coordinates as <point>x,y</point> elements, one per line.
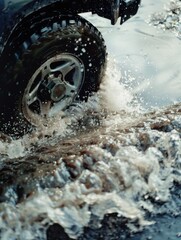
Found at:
<point>115,11</point>
<point>128,9</point>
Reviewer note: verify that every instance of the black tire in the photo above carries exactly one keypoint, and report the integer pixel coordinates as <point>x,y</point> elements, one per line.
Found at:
<point>66,40</point>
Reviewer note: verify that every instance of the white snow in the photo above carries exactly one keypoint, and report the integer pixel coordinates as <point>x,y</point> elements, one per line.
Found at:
<point>148,58</point>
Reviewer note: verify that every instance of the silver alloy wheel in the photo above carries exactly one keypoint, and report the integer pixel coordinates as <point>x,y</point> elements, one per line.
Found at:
<point>53,87</point>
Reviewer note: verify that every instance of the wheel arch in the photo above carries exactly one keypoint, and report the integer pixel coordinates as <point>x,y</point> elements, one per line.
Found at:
<point>18,23</point>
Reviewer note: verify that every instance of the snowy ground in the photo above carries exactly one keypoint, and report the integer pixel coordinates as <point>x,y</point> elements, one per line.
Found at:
<point>148,57</point>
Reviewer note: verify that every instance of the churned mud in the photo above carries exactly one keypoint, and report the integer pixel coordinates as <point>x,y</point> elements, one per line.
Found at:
<point>118,180</point>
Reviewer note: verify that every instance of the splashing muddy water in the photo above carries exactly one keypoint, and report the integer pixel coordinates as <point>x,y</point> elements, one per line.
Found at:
<point>106,159</point>
<point>106,169</point>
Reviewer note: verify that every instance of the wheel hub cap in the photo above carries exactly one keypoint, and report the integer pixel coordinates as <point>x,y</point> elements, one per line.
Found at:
<point>53,87</point>
<point>58,92</point>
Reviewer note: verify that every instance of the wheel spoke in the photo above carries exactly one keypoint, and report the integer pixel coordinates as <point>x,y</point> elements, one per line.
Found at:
<point>70,89</point>
<point>44,108</point>
<point>32,96</point>
<point>65,68</point>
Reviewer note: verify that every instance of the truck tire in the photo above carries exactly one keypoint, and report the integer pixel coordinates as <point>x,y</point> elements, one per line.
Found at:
<point>48,70</point>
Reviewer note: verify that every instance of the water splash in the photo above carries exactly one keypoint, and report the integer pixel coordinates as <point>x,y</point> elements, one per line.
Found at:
<point>113,93</point>
<point>116,160</point>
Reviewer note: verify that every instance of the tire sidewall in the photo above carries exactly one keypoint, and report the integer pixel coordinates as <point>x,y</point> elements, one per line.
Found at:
<point>80,42</point>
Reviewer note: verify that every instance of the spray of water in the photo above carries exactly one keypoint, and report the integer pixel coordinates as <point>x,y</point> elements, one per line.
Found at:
<point>114,163</point>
